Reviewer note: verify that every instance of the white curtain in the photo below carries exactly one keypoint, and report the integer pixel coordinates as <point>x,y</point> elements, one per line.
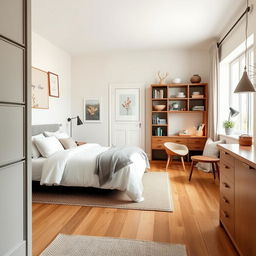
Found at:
<point>213,92</point>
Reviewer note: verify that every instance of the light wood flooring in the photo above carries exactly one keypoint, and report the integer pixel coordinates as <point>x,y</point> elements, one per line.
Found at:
<point>194,221</point>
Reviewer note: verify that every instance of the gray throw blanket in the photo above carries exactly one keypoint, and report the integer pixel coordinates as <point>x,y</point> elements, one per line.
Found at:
<point>114,159</point>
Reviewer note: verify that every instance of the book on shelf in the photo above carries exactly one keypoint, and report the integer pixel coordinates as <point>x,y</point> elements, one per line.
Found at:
<point>159,131</point>
<point>201,108</point>
<point>158,94</point>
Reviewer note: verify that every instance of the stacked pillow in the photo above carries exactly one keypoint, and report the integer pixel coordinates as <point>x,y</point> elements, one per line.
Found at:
<point>50,142</point>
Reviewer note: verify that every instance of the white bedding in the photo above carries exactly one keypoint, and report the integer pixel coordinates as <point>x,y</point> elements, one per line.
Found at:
<point>76,167</point>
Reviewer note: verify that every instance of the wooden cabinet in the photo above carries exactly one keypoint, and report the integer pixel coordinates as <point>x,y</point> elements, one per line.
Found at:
<point>238,196</point>
<point>245,210</point>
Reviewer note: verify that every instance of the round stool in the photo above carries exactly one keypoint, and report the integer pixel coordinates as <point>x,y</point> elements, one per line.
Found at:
<point>205,159</point>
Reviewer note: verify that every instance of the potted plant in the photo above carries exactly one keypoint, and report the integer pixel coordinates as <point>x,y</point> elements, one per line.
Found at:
<point>228,125</point>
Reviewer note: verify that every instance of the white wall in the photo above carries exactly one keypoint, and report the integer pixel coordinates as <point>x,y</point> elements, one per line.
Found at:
<point>48,57</point>
<point>91,76</point>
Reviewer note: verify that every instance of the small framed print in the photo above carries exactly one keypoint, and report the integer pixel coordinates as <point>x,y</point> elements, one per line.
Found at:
<point>53,85</point>
<point>127,104</point>
<point>92,110</point>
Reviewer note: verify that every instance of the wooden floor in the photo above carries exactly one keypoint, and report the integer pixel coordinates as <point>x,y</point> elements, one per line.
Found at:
<point>194,221</point>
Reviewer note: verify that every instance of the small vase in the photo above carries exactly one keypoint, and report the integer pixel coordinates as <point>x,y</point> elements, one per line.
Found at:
<point>228,131</point>
<point>195,79</point>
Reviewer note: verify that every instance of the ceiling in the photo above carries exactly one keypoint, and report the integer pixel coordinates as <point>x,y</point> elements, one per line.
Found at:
<point>88,26</point>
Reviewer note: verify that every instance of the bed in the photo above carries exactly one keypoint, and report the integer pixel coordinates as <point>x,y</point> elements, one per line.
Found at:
<point>76,168</point>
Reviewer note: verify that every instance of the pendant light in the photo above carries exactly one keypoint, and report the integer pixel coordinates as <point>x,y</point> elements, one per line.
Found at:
<point>245,85</point>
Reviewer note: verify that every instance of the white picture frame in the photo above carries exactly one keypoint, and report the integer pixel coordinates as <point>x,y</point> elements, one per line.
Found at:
<point>92,110</point>
<point>127,104</point>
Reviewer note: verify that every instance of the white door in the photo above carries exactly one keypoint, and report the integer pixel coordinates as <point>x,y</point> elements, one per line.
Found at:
<point>127,115</point>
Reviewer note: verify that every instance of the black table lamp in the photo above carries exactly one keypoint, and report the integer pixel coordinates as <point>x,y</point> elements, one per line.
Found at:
<point>232,113</point>
<point>78,122</point>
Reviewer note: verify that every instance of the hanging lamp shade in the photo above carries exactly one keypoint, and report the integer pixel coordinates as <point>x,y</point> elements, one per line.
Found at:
<point>245,84</point>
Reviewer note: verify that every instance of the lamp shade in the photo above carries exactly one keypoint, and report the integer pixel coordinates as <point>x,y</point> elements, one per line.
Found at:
<point>233,112</point>
<point>79,121</point>
<point>245,85</point>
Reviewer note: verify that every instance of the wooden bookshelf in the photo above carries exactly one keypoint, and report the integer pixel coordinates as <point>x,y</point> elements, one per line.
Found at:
<point>159,130</point>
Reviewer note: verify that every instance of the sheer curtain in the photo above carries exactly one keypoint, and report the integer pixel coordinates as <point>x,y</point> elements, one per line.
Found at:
<point>213,92</point>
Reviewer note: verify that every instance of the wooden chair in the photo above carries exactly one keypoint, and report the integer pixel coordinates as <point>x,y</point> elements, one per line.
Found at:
<point>174,149</point>
<point>205,159</point>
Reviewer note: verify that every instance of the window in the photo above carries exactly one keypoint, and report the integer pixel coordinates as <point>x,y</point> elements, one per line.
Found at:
<point>231,71</point>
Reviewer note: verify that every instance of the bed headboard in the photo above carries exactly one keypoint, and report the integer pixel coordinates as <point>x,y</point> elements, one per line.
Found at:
<point>40,128</point>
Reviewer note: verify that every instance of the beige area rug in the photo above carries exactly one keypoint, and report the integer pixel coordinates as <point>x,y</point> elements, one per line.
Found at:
<point>67,245</point>
<point>157,195</point>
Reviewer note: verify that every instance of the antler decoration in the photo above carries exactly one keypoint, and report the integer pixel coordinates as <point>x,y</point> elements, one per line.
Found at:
<point>162,78</point>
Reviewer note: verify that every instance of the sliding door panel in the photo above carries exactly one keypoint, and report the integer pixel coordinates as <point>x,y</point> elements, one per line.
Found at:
<point>11,73</point>
<point>11,134</point>
<point>12,207</point>
<point>11,20</point>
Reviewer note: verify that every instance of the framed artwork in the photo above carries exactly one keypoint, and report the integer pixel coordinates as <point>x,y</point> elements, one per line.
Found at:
<point>53,85</point>
<point>40,89</point>
<point>127,104</point>
<point>92,110</point>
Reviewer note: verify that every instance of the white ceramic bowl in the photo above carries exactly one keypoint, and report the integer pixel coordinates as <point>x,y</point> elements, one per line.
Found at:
<point>159,107</point>
<point>196,93</point>
<point>176,80</point>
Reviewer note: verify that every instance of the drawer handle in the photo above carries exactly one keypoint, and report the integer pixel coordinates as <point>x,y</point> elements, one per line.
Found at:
<point>225,185</point>
<point>225,200</point>
<point>225,153</point>
<point>248,166</point>
<point>226,167</point>
<point>225,214</point>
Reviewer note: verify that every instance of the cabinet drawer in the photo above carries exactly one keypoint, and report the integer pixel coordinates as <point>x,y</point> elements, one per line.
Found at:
<point>227,170</point>
<point>226,188</point>
<point>11,133</point>
<point>196,144</point>
<point>227,158</point>
<point>158,143</point>
<point>11,20</point>
<point>11,73</point>
<point>227,219</point>
<point>178,140</point>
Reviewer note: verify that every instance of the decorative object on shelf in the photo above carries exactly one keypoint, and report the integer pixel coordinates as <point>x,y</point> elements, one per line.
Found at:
<point>127,104</point>
<point>180,95</point>
<point>195,79</point>
<point>245,84</point>
<point>78,122</point>
<point>161,121</point>
<point>245,140</point>
<point>162,77</point>
<point>40,89</point>
<point>228,125</point>
<point>92,110</point>
<point>184,133</point>
<point>159,107</point>
<point>54,90</point>
<point>199,130</point>
<point>176,80</point>
<point>175,106</point>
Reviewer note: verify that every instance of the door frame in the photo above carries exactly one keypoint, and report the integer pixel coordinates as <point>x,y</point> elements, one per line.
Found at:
<point>142,120</point>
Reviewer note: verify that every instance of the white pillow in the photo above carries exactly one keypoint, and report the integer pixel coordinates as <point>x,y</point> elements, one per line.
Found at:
<point>34,150</point>
<point>47,146</point>
<point>211,150</point>
<point>59,134</point>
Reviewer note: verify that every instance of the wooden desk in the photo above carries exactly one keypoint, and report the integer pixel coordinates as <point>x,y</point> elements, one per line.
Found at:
<point>238,196</point>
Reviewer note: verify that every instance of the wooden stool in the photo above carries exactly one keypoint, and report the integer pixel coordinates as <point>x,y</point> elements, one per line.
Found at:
<point>205,159</point>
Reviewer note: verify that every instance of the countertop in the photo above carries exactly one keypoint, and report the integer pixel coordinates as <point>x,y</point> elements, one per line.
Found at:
<point>245,154</point>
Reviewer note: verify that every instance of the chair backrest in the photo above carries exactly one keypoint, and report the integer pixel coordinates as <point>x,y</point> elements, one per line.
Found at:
<point>170,147</point>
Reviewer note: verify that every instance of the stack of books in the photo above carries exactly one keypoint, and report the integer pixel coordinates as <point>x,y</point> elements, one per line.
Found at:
<point>158,94</point>
<point>159,131</point>
<point>197,108</point>
<point>199,96</point>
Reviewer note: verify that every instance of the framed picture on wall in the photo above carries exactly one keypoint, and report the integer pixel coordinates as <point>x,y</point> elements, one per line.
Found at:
<point>40,89</point>
<point>127,104</point>
<point>53,85</point>
<point>92,110</point>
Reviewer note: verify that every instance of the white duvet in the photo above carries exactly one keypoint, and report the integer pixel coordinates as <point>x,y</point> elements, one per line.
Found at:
<point>76,167</point>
